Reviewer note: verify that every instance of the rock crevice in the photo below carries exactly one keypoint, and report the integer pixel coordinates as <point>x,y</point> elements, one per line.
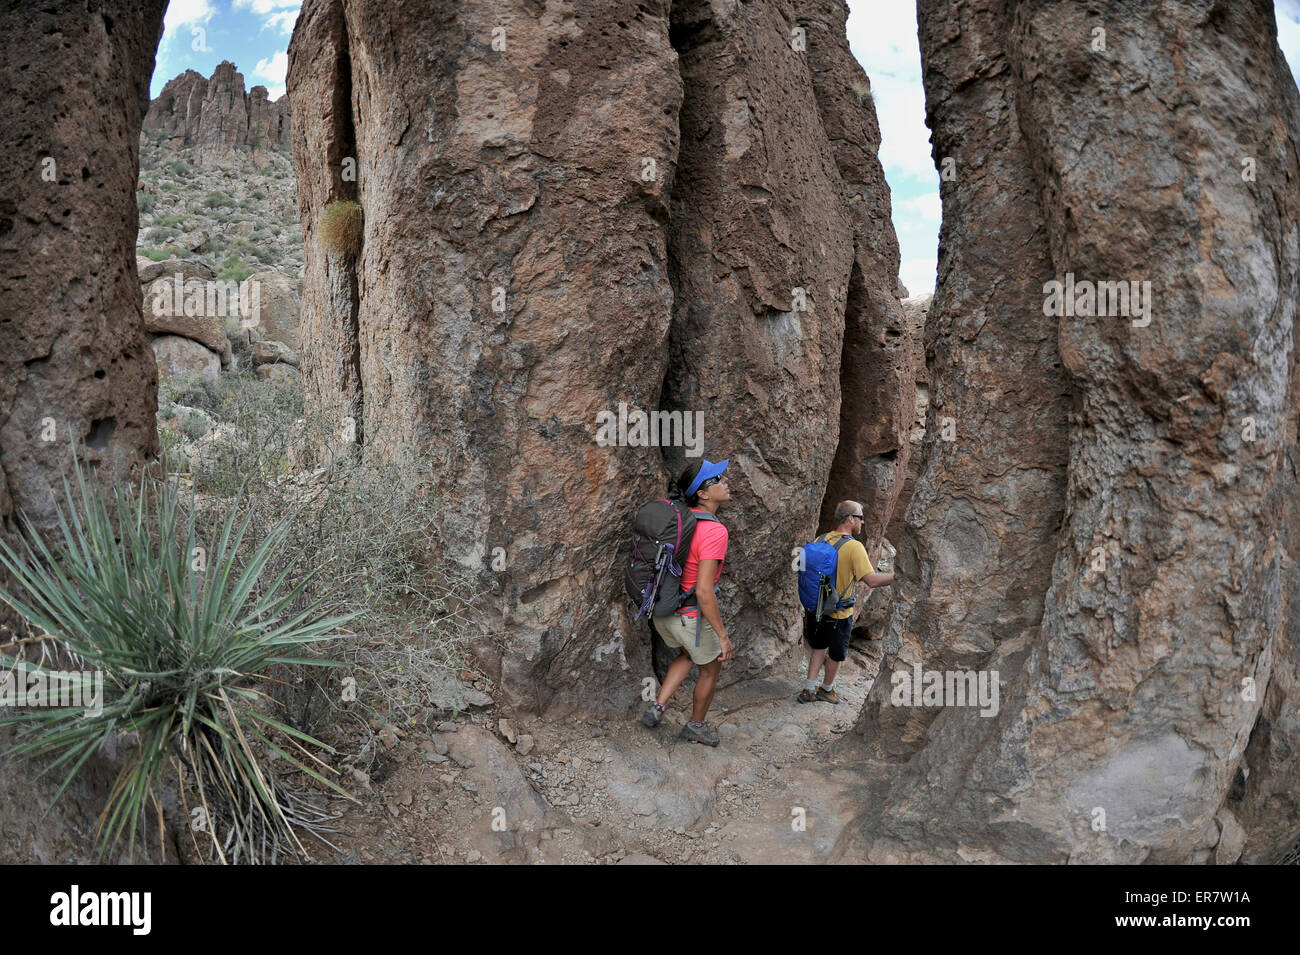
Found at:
<point>572,211</point>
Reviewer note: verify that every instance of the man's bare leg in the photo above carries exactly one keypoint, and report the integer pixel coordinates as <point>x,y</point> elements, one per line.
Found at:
<point>815,664</point>
<point>832,668</point>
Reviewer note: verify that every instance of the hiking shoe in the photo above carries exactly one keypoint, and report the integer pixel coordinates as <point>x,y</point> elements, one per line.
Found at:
<point>652,717</point>
<point>805,697</point>
<point>827,696</point>
<point>700,734</point>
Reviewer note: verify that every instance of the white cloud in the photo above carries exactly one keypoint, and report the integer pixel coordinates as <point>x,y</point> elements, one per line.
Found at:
<point>927,208</point>
<point>883,38</point>
<point>183,12</point>
<point>918,275</point>
<point>273,69</point>
<point>263,7</point>
<point>1288,30</point>
<point>281,21</point>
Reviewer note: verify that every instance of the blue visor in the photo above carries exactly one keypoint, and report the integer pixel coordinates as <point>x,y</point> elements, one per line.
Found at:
<point>707,470</point>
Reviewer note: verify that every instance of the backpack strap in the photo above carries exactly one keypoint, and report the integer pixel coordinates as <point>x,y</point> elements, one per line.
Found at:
<point>688,598</point>
<point>677,511</point>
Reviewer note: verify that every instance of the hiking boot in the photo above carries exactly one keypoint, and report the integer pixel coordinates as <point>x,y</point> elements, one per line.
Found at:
<point>805,697</point>
<point>700,734</point>
<point>827,696</point>
<point>652,717</point>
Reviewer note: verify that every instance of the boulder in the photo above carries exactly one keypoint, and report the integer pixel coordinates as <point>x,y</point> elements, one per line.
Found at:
<point>168,268</point>
<point>208,330</point>
<point>275,302</point>
<point>269,352</point>
<point>180,355</point>
<point>280,374</point>
<point>194,241</point>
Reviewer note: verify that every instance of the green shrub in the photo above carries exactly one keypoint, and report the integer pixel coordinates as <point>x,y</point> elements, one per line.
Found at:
<point>377,522</point>
<point>146,202</point>
<point>342,227</point>
<point>156,255</point>
<point>190,389</point>
<point>184,648</point>
<point>236,269</point>
<point>217,200</point>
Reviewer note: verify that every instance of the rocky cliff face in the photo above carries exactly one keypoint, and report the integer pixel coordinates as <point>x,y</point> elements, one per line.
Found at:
<point>75,363</point>
<point>1108,530</point>
<point>216,114</point>
<point>574,209</point>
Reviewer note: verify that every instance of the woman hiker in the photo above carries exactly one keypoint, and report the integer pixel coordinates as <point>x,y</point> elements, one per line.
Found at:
<point>704,487</point>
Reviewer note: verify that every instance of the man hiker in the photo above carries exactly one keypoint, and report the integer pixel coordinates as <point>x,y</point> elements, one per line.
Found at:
<point>704,488</point>
<point>830,635</point>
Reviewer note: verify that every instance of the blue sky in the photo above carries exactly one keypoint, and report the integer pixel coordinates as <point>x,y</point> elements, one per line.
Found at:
<point>254,35</point>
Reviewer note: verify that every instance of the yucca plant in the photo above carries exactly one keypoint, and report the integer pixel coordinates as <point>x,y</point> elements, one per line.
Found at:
<point>182,635</point>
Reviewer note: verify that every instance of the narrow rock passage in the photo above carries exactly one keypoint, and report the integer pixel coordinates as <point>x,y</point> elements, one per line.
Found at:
<point>779,789</point>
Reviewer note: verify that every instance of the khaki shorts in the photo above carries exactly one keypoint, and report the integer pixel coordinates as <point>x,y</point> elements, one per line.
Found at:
<point>679,631</point>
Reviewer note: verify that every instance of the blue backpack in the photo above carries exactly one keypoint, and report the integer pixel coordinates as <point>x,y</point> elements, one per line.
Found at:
<point>817,577</point>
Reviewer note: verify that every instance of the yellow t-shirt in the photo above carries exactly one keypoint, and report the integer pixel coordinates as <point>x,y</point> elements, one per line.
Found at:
<point>853,565</point>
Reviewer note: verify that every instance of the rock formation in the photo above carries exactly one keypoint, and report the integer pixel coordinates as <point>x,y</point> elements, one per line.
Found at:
<point>76,364</point>
<point>877,377</point>
<point>1107,528</point>
<point>915,311</point>
<point>216,114</point>
<point>684,174</point>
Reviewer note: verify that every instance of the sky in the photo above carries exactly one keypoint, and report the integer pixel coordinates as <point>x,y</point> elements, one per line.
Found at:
<point>254,35</point>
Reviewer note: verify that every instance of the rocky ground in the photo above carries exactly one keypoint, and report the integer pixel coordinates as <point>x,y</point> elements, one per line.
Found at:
<point>481,788</point>
<point>235,215</point>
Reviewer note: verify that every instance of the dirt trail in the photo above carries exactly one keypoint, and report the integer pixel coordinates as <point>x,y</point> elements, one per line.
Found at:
<point>616,792</point>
